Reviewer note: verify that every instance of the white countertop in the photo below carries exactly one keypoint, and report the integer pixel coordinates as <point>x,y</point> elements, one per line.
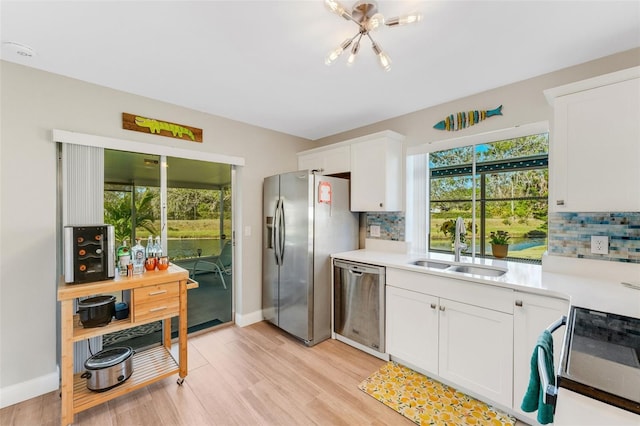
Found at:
<point>594,284</point>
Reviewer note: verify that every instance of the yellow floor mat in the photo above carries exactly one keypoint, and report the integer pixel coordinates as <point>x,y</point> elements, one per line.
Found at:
<point>428,402</point>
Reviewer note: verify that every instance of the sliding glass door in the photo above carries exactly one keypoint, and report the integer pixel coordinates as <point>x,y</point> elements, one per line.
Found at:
<point>188,204</point>
<point>198,229</point>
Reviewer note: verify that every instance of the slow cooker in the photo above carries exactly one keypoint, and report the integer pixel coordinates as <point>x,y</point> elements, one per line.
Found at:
<point>96,311</point>
<point>108,368</point>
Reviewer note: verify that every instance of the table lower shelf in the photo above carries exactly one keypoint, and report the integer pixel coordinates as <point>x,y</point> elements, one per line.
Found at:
<point>149,366</point>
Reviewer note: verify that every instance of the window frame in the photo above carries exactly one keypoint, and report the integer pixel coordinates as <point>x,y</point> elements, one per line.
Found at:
<point>417,177</point>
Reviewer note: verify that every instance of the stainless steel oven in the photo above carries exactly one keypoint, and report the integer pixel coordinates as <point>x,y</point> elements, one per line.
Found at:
<point>599,374</point>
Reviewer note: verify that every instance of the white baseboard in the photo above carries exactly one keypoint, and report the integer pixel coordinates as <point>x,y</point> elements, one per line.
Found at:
<point>19,392</point>
<point>248,319</point>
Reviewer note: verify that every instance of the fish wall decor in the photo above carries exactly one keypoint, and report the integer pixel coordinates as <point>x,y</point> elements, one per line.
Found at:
<point>463,119</point>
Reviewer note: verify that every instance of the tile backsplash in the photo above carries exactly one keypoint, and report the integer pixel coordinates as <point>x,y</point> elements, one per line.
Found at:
<point>569,233</point>
<point>391,225</point>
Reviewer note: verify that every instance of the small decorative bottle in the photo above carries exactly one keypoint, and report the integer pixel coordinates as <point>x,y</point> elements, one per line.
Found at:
<point>158,247</point>
<point>150,249</point>
<point>124,258</point>
<point>137,252</point>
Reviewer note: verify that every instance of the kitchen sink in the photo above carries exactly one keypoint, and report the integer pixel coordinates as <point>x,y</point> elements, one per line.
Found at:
<point>431,264</point>
<point>477,270</point>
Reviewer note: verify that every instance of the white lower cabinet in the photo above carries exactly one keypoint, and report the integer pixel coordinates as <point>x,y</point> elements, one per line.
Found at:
<point>476,349</point>
<point>412,328</point>
<point>532,314</point>
<point>475,336</point>
<point>467,345</point>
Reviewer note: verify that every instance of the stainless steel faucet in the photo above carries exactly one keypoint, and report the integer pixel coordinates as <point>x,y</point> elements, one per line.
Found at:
<point>458,245</point>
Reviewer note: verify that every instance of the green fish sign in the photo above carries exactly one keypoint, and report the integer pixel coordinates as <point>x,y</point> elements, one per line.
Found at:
<point>463,119</point>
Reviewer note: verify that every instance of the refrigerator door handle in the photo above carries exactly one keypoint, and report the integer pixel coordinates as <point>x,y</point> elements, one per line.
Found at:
<point>282,230</point>
<point>275,231</point>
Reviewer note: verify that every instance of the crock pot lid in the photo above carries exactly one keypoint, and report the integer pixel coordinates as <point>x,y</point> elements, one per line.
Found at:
<point>96,301</point>
<point>108,358</point>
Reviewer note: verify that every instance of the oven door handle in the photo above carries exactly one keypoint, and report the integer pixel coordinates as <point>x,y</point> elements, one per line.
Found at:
<point>550,391</point>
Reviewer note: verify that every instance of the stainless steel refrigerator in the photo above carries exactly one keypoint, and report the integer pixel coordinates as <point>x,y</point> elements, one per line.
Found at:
<point>306,217</point>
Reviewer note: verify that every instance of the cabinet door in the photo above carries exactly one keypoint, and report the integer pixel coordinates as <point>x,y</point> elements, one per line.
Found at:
<point>314,161</point>
<point>337,160</point>
<point>533,313</point>
<point>412,328</point>
<point>376,175</point>
<point>329,161</point>
<point>595,150</point>
<point>476,349</point>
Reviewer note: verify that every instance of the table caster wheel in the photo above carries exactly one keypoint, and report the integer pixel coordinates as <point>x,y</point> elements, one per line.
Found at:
<point>180,381</point>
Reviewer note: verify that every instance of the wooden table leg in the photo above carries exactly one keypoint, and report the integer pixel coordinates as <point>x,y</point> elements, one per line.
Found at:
<point>166,333</point>
<point>66,361</point>
<point>182,330</point>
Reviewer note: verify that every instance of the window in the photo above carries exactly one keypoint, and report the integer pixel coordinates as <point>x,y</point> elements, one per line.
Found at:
<point>494,186</point>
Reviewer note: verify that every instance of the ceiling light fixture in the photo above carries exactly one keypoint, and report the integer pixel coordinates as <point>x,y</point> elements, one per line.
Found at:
<point>365,14</point>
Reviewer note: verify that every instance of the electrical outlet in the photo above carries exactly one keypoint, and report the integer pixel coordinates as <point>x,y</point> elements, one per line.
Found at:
<point>599,244</point>
<point>374,230</point>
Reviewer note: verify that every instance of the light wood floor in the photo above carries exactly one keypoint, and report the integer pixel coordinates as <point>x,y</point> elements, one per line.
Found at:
<point>255,375</point>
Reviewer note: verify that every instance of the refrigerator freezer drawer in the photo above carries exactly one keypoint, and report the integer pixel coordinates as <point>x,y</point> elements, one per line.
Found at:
<point>359,308</point>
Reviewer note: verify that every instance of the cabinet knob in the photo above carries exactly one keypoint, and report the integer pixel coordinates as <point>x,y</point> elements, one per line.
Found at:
<point>433,306</point>
<point>381,204</point>
<point>518,302</point>
<point>441,308</point>
<point>559,202</point>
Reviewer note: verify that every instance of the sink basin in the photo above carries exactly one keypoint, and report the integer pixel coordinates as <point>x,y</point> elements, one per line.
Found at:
<point>477,270</point>
<point>431,264</point>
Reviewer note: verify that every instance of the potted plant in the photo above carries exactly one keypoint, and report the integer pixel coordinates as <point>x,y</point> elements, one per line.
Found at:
<point>499,243</point>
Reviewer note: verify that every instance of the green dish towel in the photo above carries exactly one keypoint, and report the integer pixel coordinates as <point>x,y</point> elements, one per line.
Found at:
<point>534,397</point>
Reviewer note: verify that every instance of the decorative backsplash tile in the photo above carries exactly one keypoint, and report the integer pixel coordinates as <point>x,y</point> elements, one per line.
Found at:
<point>391,225</point>
<point>570,235</point>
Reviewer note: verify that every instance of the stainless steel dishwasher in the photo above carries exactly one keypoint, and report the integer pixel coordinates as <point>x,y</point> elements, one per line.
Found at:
<point>359,308</point>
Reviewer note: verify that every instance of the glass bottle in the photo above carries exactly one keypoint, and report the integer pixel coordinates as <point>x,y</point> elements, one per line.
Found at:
<point>150,251</point>
<point>124,258</point>
<point>137,252</point>
<point>158,247</point>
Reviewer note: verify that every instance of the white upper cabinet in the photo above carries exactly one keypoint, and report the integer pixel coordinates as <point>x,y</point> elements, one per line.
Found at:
<point>377,173</point>
<point>594,150</point>
<point>327,160</point>
<point>376,165</point>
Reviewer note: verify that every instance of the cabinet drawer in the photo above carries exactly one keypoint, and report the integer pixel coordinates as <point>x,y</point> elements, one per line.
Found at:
<point>158,301</point>
<point>161,308</point>
<point>156,292</point>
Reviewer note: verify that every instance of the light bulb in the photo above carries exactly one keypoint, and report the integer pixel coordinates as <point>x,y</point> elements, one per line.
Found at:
<point>354,52</point>
<point>385,61</point>
<point>374,22</point>
<point>383,58</point>
<point>337,8</point>
<point>332,5</point>
<point>404,20</point>
<point>335,54</point>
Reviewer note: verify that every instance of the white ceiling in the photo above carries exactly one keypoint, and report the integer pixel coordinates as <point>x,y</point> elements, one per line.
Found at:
<point>262,62</point>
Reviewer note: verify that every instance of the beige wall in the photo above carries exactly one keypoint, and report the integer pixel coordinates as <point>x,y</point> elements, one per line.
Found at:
<point>523,103</point>
<point>32,104</point>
